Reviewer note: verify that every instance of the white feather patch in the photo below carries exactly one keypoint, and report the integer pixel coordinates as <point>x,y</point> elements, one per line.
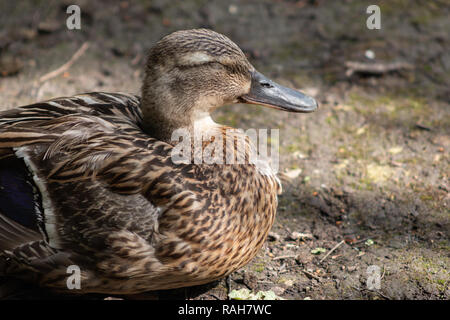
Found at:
<point>50,220</point>
<point>86,98</point>
<point>53,103</point>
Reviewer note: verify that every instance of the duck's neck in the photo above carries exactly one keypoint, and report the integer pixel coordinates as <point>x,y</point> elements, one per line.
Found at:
<point>165,111</point>
<point>166,123</point>
<point>199,131</point>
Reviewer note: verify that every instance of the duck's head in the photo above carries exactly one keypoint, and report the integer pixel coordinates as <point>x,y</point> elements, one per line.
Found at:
<point>190,73</point>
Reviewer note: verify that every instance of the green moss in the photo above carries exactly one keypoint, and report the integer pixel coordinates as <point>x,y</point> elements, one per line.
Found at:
<point>366,184</point>
<point>427,270</point>
<point>394,110</point>
<point>259,267</point>
<point>426,197</point>
<point>291,148</point>
<point>444,245</point>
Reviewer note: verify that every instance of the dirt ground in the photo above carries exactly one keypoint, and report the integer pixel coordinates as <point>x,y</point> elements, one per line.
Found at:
<point>369,168</point>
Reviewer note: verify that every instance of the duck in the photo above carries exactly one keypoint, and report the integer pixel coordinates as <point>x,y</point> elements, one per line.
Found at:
<point>89,186</point>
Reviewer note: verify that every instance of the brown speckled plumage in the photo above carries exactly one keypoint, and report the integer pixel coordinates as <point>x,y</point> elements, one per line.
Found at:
<point>113,201</point>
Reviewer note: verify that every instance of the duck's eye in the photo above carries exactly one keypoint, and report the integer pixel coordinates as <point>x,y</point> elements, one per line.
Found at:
<point>213,63</point>
<point>204,64</point>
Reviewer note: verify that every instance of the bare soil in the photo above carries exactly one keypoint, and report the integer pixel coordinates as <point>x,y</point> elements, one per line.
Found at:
<point>374,158</point>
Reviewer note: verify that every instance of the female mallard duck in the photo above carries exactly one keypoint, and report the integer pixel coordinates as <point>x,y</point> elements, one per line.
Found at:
<point>89,181</point>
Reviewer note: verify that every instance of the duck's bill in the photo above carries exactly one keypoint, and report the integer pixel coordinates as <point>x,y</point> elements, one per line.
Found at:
<point>264,91</point>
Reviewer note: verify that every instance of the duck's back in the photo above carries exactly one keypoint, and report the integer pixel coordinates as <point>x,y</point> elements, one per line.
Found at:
<point>100,104</point>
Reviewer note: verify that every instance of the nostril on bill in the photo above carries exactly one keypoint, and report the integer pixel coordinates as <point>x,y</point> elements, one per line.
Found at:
<point>266,85</point>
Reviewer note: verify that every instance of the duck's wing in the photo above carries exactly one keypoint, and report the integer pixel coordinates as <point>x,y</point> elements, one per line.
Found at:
<point>96,188</point>
<point>88,149</point>
<point>104,185</point>
<point>18,196</point>
<point>101,180</point>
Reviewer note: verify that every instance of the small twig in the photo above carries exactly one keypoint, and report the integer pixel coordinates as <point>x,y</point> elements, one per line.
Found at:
<point>334,248</point>
<point>384,271</point>
<point>136,59</point>
<point>285,257</point>
<point>66,65</point>
<point>375,68</point>
<point>311,274</point>
<point>381,294</point>
<point>228,284</point>
<point>214,296</point>
<point>374,291</point>
<point>422,127</point>
<point>264,282</point>
<point>364,240</point>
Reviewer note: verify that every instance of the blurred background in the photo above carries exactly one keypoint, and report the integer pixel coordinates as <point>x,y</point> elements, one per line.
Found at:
<point>367,172</point>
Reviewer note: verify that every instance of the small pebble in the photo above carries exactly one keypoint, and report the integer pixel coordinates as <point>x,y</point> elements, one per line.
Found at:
<point>278,290</point>
<point>370,54</point>
<point>232,9</point>
<point>300,236</point>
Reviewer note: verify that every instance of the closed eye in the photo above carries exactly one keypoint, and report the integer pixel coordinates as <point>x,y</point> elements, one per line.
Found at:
<point>196,65</point>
